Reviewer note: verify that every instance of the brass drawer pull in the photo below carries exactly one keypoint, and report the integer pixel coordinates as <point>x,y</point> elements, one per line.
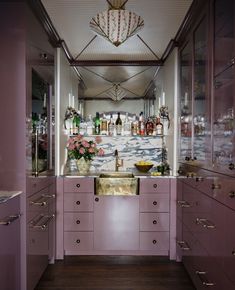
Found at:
<point>9,220</point>
<point>155,202</point>
<point>199,179</point>
<point>215,186</point>
<point>154,242</point>
<point>202,277</point>
<point>77,222</point>
<point>183,245</point>
<point>78,241</point>
<point>183,203</point>
<point>78,185</point>
<point>154,222</point>
<point>205,223</point>
<point>78,202</point>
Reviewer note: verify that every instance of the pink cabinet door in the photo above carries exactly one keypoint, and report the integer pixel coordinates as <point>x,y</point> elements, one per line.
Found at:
<point>78,221</point>
<point>154,222</point>
<point>154,185</point>
<point>154,202</point>
<point>155,241</point>
<point>116,223</point>
<point>79,185</point>
<point>74,242</point>
<point>77,202</point>
<point>10,244</point>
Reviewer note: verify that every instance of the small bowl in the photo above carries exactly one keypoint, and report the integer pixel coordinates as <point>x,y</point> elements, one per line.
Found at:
<point>143,168</point>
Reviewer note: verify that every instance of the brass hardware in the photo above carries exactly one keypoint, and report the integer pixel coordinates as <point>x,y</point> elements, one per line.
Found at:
<point>155,185</point>
<point>40,223</point>
<point>96,199</point>
<point>39,203</point>
<point>8,220</point>
<point>232,194</point>
<point>78,222</point>
<point>199,179</point>
<point>183,245</point>
<point>205,223</point>
<point>49,195</point>
<point>78,185</point>
<point>190,174</point>
<point>154,222</point>
<point>78,241</point>
<point>77,202</point>
<point>154,242</point>
<point>202,277</point>
<point>183,203</point>
<point>215,186</point>
<point>233,253</point>
<point>155,202</point>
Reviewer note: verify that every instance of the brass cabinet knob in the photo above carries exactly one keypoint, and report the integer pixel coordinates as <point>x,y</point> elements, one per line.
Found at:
<point>78,241</point>
<point>96,199</point>
<point>154,222</point>
<point>78,222</point>
<point>77,202</point>
<point>78,185</point>
<point>215,186</point>
<point>155,185</point>
<point>231,166</point>
<point>232,194</point>
<point>155,202</point>
<point>154,242</point>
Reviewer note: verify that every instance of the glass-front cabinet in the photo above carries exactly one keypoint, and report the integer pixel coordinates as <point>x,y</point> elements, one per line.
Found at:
<point>194,98</point>
<point>223,82</point>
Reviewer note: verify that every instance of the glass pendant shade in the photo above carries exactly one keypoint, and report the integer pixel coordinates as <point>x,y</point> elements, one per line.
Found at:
<point>116,25</point>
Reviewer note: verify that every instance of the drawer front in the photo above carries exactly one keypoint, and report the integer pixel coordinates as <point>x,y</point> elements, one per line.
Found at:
<point>154,241</point>
<point>78,202</point>
<point>40,201</point>
<point>35,184</point>
<point>154,185</point>
<point>154,222</point>
<point>78,241</point>
<point>78,221</point>
<point>79,185</point>
<point>154,202</point>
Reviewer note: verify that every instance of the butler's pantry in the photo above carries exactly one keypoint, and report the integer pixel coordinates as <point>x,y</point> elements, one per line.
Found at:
<point>117,150</point>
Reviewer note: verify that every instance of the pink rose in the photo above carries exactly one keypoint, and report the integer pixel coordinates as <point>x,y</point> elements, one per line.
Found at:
<point>91,150</point>
<point>81,151</point>
<point>71,147</point>
<point>100,152</point>
<point>85,144</point>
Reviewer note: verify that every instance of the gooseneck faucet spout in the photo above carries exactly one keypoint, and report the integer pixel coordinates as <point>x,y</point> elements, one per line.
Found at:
<point>118,161</point>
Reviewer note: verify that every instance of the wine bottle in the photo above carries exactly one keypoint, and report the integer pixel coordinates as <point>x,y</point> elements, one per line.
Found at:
<point>119,125</point>
<point>97,124</point>
<point>159,127</point>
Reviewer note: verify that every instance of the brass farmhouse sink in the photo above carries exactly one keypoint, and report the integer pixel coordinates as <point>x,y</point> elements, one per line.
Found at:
<point>116,183</point>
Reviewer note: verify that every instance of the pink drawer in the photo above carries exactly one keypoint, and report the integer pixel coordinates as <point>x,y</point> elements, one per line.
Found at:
<point>40,201</point>
<point>154,241</point>
<point>78,221</point>
<point>79,185</point>
<point>78,202</point>
<point>77,241</point>
<point>154,185</point>
<point>35,184</point>
<point>154,202</point>
<point>154,222</point>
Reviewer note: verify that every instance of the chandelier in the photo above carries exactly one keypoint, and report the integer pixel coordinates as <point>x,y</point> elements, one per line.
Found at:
<point>116,24</point>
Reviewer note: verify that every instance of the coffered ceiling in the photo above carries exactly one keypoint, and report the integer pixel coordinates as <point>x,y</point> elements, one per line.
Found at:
<point>130,67</point>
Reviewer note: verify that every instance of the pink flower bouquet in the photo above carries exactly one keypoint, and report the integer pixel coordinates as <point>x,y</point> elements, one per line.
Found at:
<point>79,147</point>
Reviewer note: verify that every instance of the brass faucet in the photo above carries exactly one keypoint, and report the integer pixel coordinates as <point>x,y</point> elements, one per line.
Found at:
<point>118,161</point>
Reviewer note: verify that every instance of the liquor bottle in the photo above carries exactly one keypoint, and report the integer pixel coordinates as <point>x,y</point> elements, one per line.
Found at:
<point>111,126</point>
<point>141,124</point>
<point>159,127</point>
<point>119,125</point>
<point>97,124</point>
<point>104,126</point>
<point>89,127</point>
<point>126,126</point>
<point>149,126</point>
<point>134,126</point>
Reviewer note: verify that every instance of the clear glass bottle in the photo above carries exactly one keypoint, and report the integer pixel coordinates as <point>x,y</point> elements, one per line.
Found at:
<point>111,126</point>
<point>89,128</point>
<point>134,126</point>
<point>119,125</point>
<point>97,124</point>
<point>159,127</point>
<point>126,126</point>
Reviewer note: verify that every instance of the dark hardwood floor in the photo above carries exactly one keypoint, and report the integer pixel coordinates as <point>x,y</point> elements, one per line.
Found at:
<point>115,273</point>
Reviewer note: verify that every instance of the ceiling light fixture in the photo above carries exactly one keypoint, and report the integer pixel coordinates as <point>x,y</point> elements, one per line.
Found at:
<point>116,24</point>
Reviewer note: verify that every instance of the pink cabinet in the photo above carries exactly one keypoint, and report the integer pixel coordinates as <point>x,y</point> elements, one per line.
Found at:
<point>116,223</point>
<point>154,185</point>
<point>78,215</point>
<point>154,202</point>
<point>154,222</point>
<point>10,244</point>
<point>157,242</point>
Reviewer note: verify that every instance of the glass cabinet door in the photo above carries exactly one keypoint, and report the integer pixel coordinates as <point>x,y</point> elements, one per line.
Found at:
<point>186,102</point>
<point>201,111</point>
<point>223,110</point>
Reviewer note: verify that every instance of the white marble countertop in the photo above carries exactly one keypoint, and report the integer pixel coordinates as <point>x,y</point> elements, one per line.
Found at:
<point>5,195</point>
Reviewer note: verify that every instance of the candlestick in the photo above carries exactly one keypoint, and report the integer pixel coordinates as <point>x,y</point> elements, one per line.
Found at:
<point>163,99</point>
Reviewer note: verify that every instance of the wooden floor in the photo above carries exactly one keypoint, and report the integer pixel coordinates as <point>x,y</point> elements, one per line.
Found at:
<point>115,273</point>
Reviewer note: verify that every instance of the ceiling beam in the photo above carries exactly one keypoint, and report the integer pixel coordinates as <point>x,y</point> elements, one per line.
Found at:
<point>116,63</point>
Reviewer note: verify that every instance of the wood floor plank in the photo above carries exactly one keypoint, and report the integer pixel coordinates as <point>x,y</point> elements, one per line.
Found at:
<point>115,273</point>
